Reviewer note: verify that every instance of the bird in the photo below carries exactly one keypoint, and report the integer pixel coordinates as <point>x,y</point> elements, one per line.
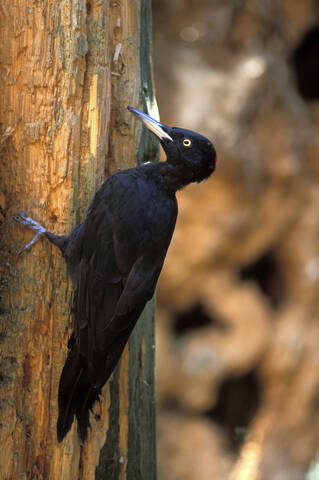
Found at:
<point>114,258</point>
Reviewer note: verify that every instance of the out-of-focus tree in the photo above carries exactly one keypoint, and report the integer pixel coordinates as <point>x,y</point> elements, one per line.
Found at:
<point>238,338</point>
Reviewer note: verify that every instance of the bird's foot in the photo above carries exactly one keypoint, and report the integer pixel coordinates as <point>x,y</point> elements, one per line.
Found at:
<point>33,225</point>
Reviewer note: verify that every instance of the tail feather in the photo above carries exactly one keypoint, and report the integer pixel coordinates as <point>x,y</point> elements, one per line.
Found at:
<point>74,388</point>
<point>83,411</point>
<point>69,381</point>
<point>82,381</point>
<point>77,395</point>
<point>67,413</point>
<point>91,395</point>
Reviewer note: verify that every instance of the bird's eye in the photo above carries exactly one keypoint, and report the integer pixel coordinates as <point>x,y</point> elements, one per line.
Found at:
<point>187,142</point>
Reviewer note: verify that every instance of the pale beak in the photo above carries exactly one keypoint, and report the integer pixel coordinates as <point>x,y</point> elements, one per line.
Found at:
<point>156,127</point>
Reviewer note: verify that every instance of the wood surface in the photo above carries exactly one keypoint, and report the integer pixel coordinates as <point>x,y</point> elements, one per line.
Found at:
<point>67,71</point>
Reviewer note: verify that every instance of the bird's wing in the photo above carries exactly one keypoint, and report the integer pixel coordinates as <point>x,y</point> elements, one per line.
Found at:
<point>140,283</point>
<point>110,293</point>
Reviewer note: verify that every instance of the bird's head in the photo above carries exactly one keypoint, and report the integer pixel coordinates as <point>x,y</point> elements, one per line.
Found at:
<point>186,149</point>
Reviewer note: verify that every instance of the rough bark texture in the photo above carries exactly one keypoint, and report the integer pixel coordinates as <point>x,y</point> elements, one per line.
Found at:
<point>68,70</point>
<point>238,337</point>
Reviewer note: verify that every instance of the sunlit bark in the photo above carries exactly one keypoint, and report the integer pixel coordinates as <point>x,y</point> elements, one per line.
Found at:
<point>68,70</point>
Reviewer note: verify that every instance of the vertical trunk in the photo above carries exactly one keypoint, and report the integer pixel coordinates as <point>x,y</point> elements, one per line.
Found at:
<point>68,70</point>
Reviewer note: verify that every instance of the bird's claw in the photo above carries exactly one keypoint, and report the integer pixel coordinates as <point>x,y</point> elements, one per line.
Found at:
<point>28,222</point>
<point>33,225</point>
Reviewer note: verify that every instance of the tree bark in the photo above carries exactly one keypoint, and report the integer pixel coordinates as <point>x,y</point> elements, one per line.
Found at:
<point>68,70</point>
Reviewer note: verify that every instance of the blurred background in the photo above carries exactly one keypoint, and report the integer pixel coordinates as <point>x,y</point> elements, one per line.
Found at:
<point>237,304</point>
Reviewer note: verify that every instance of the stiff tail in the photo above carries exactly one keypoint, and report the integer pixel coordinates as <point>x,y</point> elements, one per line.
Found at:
<point>76,397</point>
<point>76,393</point>
<point>80,386</point>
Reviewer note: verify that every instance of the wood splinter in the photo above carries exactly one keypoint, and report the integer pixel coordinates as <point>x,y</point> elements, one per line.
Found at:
<point>117,52</point>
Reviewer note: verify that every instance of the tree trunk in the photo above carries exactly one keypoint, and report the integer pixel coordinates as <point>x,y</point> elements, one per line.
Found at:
<point>68,70</point>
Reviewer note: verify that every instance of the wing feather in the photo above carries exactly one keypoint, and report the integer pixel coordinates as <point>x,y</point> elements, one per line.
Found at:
<point>117,273</point>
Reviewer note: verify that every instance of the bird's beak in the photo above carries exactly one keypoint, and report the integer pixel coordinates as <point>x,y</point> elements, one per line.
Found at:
<point>156,127</point>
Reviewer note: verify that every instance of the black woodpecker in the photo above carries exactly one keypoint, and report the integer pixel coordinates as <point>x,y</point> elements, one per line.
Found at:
<point>114,259</point>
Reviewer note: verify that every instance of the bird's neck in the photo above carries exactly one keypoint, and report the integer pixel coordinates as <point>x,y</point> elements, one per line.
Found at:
<point>172,177</point>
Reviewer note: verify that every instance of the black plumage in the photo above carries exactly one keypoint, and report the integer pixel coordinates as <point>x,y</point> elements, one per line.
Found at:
<point>114,259</point>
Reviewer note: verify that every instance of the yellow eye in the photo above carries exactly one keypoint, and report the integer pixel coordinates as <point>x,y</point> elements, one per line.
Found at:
<point>187,142</point>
